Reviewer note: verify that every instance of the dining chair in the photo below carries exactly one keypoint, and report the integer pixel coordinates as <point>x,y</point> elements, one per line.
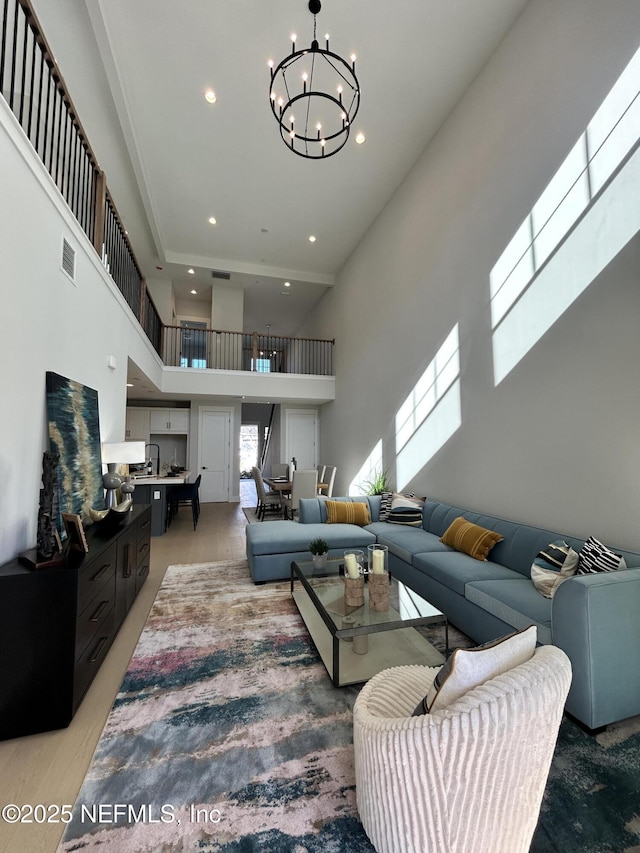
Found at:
<point>330,477</point>
<point>266,500</point>
<point>321,473</point>
<point>303,485</point>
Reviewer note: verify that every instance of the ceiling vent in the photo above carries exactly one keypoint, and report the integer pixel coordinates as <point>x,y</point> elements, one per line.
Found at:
<point>68,260</point>
<point>224,276</point>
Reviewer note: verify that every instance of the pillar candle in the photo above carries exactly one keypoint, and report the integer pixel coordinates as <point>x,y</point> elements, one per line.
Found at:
<point>351,565</point>
<point>378,562</point>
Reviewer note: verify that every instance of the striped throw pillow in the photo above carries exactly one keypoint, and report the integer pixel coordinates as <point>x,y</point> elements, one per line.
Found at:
<point>385,505</point>
<point>405,509</point>
<point>596,557</point>
<point>347,512</point>
<point>470,538</point>
<point>553,565</point>
<point>409,516</point>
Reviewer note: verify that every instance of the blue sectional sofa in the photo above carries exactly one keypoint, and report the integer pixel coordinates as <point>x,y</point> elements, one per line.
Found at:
<point>595,619</point>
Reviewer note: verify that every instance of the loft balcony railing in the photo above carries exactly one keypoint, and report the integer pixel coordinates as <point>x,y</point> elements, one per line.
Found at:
<point>33,87</point>
<point>224,350</point>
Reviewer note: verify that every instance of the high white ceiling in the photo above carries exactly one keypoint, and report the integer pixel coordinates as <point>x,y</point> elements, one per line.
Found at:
<point>192,160</point>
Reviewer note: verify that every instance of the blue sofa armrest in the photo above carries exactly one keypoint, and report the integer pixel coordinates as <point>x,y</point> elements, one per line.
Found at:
<point>594,619</point>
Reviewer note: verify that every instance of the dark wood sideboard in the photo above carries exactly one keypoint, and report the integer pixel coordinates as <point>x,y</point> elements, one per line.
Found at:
<point>57,624</point>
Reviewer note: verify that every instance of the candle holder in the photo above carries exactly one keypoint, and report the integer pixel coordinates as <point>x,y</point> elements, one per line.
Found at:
<point>353,562</point>
<point>379,591</point>
<point>354,591</point>
<point>378,556</point>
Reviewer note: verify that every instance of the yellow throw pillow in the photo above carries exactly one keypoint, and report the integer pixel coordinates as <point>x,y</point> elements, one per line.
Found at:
<point>470,538</point>
<point>347,512</point>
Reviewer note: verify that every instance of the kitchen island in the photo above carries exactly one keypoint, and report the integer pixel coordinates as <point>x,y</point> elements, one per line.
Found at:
<point>153,490</point>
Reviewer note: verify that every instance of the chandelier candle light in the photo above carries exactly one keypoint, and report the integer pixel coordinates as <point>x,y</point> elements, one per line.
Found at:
<point>314,96</point>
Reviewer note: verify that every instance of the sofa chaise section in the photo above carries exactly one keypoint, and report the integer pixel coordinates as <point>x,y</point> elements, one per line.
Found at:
<point>272,546</point>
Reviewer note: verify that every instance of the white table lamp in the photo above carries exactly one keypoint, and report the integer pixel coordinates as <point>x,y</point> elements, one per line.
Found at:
<point>118,453</point>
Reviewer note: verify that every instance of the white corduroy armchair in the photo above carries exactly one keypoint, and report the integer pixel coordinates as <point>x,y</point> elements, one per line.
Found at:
<point>467,778</point>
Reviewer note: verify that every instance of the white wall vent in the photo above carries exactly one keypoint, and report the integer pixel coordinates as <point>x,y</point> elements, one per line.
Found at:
<point>68,260</point>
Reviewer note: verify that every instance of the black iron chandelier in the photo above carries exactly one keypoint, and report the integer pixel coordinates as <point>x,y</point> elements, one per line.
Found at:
<point>314,95</point>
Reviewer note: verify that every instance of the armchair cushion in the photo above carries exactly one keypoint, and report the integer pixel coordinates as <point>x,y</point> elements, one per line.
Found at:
<point>468,668</point>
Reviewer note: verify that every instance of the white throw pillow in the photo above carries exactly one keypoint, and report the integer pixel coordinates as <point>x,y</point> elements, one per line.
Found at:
<point>467,668</point>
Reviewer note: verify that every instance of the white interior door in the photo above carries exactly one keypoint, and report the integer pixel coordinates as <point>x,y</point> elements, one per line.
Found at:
<point>302,437</point>
<point>214,454</point>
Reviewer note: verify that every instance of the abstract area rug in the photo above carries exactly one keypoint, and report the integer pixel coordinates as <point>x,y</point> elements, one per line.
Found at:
<point>228,737</point>
<point>227,734</point>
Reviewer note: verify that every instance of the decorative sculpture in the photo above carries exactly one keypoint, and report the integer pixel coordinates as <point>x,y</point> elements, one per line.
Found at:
<point>48,540</point>
<point>48,551</point>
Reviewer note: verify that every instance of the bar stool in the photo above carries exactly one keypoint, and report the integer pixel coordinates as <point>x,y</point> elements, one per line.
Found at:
<point>186,494</point>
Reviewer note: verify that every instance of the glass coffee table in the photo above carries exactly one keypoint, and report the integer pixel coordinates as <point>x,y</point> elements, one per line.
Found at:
<point>355,643</point>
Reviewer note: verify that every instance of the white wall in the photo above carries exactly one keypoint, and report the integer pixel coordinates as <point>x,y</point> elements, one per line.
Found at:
<point>162,294</point>
<point>227,308</point>
<point>556,443</point>
<point>50,324</point>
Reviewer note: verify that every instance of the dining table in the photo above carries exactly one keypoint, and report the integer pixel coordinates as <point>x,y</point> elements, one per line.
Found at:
<point>284,485</point>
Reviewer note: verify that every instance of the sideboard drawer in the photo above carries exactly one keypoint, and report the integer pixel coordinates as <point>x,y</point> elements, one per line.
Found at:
<point>93,573</point>
<point>144,527</point>
<point>143,547</point>
<point>90,619</point>
<point>93,656</point>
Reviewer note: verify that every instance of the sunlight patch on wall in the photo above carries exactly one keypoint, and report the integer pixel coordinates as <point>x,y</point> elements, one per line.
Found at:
<point>601,235</point>
<point>434,433</point>
<point>524,303</point>
<point>431,413</point>
<point>372,466</point>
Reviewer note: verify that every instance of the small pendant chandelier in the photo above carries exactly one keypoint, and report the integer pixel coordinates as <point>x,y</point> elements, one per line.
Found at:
<point>314,96</point>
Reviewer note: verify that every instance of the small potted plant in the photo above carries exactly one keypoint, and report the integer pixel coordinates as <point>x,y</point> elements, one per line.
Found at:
<point>319,550</point>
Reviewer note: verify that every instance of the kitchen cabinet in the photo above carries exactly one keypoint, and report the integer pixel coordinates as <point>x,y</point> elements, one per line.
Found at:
<point>169,421</point>
<point>137,425</point>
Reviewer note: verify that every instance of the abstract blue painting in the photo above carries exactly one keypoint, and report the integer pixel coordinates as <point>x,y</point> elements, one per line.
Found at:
<point>74,433</point>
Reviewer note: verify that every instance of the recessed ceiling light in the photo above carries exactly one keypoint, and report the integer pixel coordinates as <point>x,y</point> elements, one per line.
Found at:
<point>194,292</point>
<point>212,220</point>
<point>129,384</point>
<point>210,96</point>
<point>360,138</point>
<point>191,271</point>
<point>287,284</point>
<point>312,239</point>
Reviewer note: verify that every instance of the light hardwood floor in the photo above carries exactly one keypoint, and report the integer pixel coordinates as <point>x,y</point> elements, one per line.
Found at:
<point>49,768</point>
